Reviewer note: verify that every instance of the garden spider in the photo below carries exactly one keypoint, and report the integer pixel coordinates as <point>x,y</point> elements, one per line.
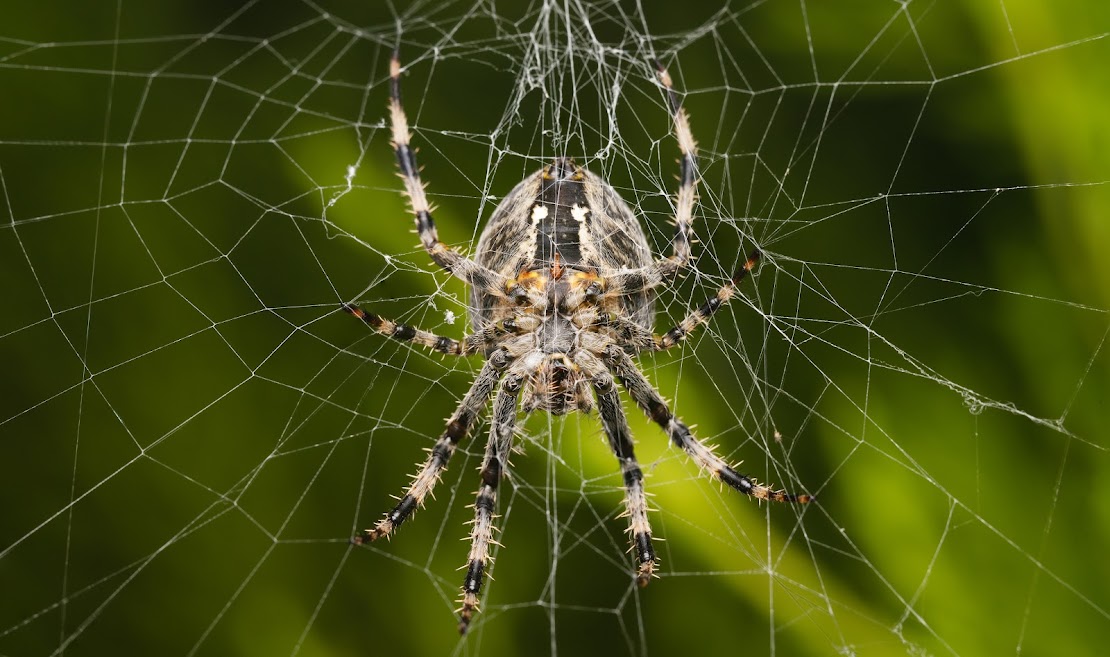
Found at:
<point>562,295</point>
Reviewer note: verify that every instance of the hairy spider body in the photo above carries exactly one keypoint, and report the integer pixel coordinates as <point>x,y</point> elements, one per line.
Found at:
<point>575,227</point>
<point>562,296</point>
<point>572,219</point>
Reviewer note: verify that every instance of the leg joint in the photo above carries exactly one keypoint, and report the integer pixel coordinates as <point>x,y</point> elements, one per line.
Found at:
<point>513,383</point>
<point>603,382</point>
<point>491,473</point>
<point>499,359</point>
<point>485,501</point>
<point>473,582</point>
<point>633,475</point>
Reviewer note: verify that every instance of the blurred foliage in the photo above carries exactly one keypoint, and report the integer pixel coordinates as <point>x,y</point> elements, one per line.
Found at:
<point>190,430</point>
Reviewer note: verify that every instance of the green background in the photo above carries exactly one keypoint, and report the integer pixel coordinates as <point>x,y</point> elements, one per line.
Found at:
<point>190,429</point>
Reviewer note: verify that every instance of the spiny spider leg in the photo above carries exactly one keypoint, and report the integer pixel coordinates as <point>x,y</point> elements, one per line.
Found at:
<point>657,273</point>
<point>687,189</point>
<point>641,339</point>
<point>620,441</point>
<point>493,466</point>
<point>408,333</point>
<point>457,427</point>
<point>468,346</point>
<point>649,400</point>
<point>706,310</point>
<point>450,259</point>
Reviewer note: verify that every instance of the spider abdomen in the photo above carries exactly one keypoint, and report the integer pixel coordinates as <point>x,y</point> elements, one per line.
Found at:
<point>561,217</point>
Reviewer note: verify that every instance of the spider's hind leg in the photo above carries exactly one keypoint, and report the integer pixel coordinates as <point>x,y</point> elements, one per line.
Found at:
<point>664,269</point>
<point>687,187</point>
<point>454,262</point>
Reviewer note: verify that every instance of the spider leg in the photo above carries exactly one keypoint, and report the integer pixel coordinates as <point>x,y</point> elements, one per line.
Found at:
<point>457,427</point>
<point>468,346</point>
<point>620,441</point>
<point>706,310</point>
<point>407,333</point>
<point>493,465</point>
<point>458,265</point>
<point>649,400</point>
<point>635,280</point>
<point>687,188</point>
<point>637,338</point>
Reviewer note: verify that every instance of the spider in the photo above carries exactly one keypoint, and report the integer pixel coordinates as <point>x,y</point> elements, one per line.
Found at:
<point>562,296</point>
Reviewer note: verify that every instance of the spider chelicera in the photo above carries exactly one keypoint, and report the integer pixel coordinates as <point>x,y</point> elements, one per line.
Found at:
<point>562,296</point>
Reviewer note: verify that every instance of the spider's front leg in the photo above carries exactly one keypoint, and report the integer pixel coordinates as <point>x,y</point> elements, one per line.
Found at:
<point>457,264</point>
<point>620,441</point>
<point>493,466</point>
<point>649,400</point>
<point>457,427</point>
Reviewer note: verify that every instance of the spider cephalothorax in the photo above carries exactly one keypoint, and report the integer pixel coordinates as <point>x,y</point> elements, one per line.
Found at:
<point>562,296</point>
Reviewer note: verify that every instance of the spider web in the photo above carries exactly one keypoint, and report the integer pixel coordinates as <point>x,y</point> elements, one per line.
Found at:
<point>192,429</point>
